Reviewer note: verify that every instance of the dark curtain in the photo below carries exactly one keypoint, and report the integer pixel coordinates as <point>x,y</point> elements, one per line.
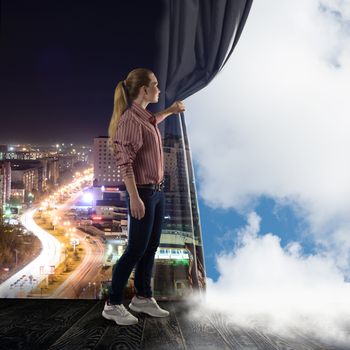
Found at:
<point>196,38</point>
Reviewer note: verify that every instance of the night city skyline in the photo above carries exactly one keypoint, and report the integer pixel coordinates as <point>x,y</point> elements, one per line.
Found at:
<point>64,61</point>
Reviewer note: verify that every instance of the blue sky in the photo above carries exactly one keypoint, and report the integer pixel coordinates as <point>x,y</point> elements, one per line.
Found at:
<point>220,223</point>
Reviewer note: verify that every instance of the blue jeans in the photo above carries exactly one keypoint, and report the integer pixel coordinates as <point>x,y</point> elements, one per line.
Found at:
<point>143,241</point>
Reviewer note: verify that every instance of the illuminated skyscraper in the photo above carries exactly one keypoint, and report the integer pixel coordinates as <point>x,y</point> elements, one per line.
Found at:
<point>179,266</point>
<point>5,183</point>
<point>106,172</point>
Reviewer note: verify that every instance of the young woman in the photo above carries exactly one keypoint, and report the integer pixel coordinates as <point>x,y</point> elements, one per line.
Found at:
<point>139,150</point>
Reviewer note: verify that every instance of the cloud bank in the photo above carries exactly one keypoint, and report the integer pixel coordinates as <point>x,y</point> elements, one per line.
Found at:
<point>276,122</point>
<point>276,290</point>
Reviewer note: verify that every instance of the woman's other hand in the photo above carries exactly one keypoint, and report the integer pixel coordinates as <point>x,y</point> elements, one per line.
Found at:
<point>137,208</point>
<point>177,107</point>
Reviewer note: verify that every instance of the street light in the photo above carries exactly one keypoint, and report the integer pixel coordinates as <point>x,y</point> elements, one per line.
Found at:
<point>95,289</point>
<point>65,255</point>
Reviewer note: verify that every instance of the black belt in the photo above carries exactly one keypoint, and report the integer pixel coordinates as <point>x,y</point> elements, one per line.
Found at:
<point>156,187</point>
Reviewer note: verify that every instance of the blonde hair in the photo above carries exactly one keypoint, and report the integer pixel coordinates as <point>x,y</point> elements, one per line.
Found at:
<point>125,92</point>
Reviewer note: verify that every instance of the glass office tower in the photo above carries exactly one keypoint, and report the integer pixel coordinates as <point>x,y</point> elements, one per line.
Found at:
<point>179,264</point>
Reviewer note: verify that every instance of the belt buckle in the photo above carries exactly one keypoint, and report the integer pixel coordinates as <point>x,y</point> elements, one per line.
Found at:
<point>159,187</point>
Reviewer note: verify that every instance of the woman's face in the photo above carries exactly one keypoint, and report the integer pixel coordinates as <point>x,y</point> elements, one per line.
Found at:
<point>152,91</point>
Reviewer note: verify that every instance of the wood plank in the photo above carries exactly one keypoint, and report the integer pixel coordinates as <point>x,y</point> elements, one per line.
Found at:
<point>22,311</point>
<point>7,302</point>
<point>256,338</point>
<point>93,331</point>
<point>252,338</point>
<point>86,332</point>
<point>284,343</point>
<point>314,343</point>
<point>122,337</point>
<point>161,333</point>
<point>38,323</point>
<point>69,313</point>
<point>236,336</point>
<point>198,333</point>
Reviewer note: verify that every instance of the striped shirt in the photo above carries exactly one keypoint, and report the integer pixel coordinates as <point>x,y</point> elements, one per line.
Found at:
<point>139,147</point>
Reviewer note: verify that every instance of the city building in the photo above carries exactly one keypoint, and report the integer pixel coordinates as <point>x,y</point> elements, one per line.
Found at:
<point>106,172</point>
<point>52,171</point>
<point>3,152</point>
<point>31,173</point>
<point>24,152</point>
<point>26,177</point>
<point>5,182</point>
<point>18,192</point>
<point>112,206</point>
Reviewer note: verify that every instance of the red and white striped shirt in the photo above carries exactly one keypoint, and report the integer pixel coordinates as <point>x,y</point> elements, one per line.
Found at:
<point>139,146</point>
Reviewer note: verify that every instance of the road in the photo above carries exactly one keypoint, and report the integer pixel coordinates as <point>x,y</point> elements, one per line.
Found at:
<point>17,286</point>
<point>75,286</point>
<point>79,282</point>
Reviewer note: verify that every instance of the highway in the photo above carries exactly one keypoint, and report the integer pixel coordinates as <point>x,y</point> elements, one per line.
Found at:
<point>19,284</point>
<point>76,284</point>
<point>87,271</point>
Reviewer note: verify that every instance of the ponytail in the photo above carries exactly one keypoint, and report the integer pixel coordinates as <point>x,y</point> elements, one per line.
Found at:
<point>120,105</point>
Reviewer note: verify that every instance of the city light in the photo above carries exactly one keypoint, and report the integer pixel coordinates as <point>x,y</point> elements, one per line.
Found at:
<point>87,197</point>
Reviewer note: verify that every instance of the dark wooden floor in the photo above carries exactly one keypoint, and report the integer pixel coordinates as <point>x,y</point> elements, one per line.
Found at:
<point>78,324</point>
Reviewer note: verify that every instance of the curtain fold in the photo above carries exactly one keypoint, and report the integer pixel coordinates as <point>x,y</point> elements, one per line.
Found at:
<point>196,39</point>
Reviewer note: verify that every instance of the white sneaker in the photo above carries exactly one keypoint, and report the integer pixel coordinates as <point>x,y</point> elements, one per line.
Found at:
<point>119,314</point>
<point>148,306</point>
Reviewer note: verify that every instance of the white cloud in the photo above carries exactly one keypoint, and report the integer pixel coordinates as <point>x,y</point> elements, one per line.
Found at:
<point>278,291</point>
<point>276,122</point>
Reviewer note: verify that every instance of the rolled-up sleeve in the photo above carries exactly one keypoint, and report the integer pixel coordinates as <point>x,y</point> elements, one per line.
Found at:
<point>128,141</point>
